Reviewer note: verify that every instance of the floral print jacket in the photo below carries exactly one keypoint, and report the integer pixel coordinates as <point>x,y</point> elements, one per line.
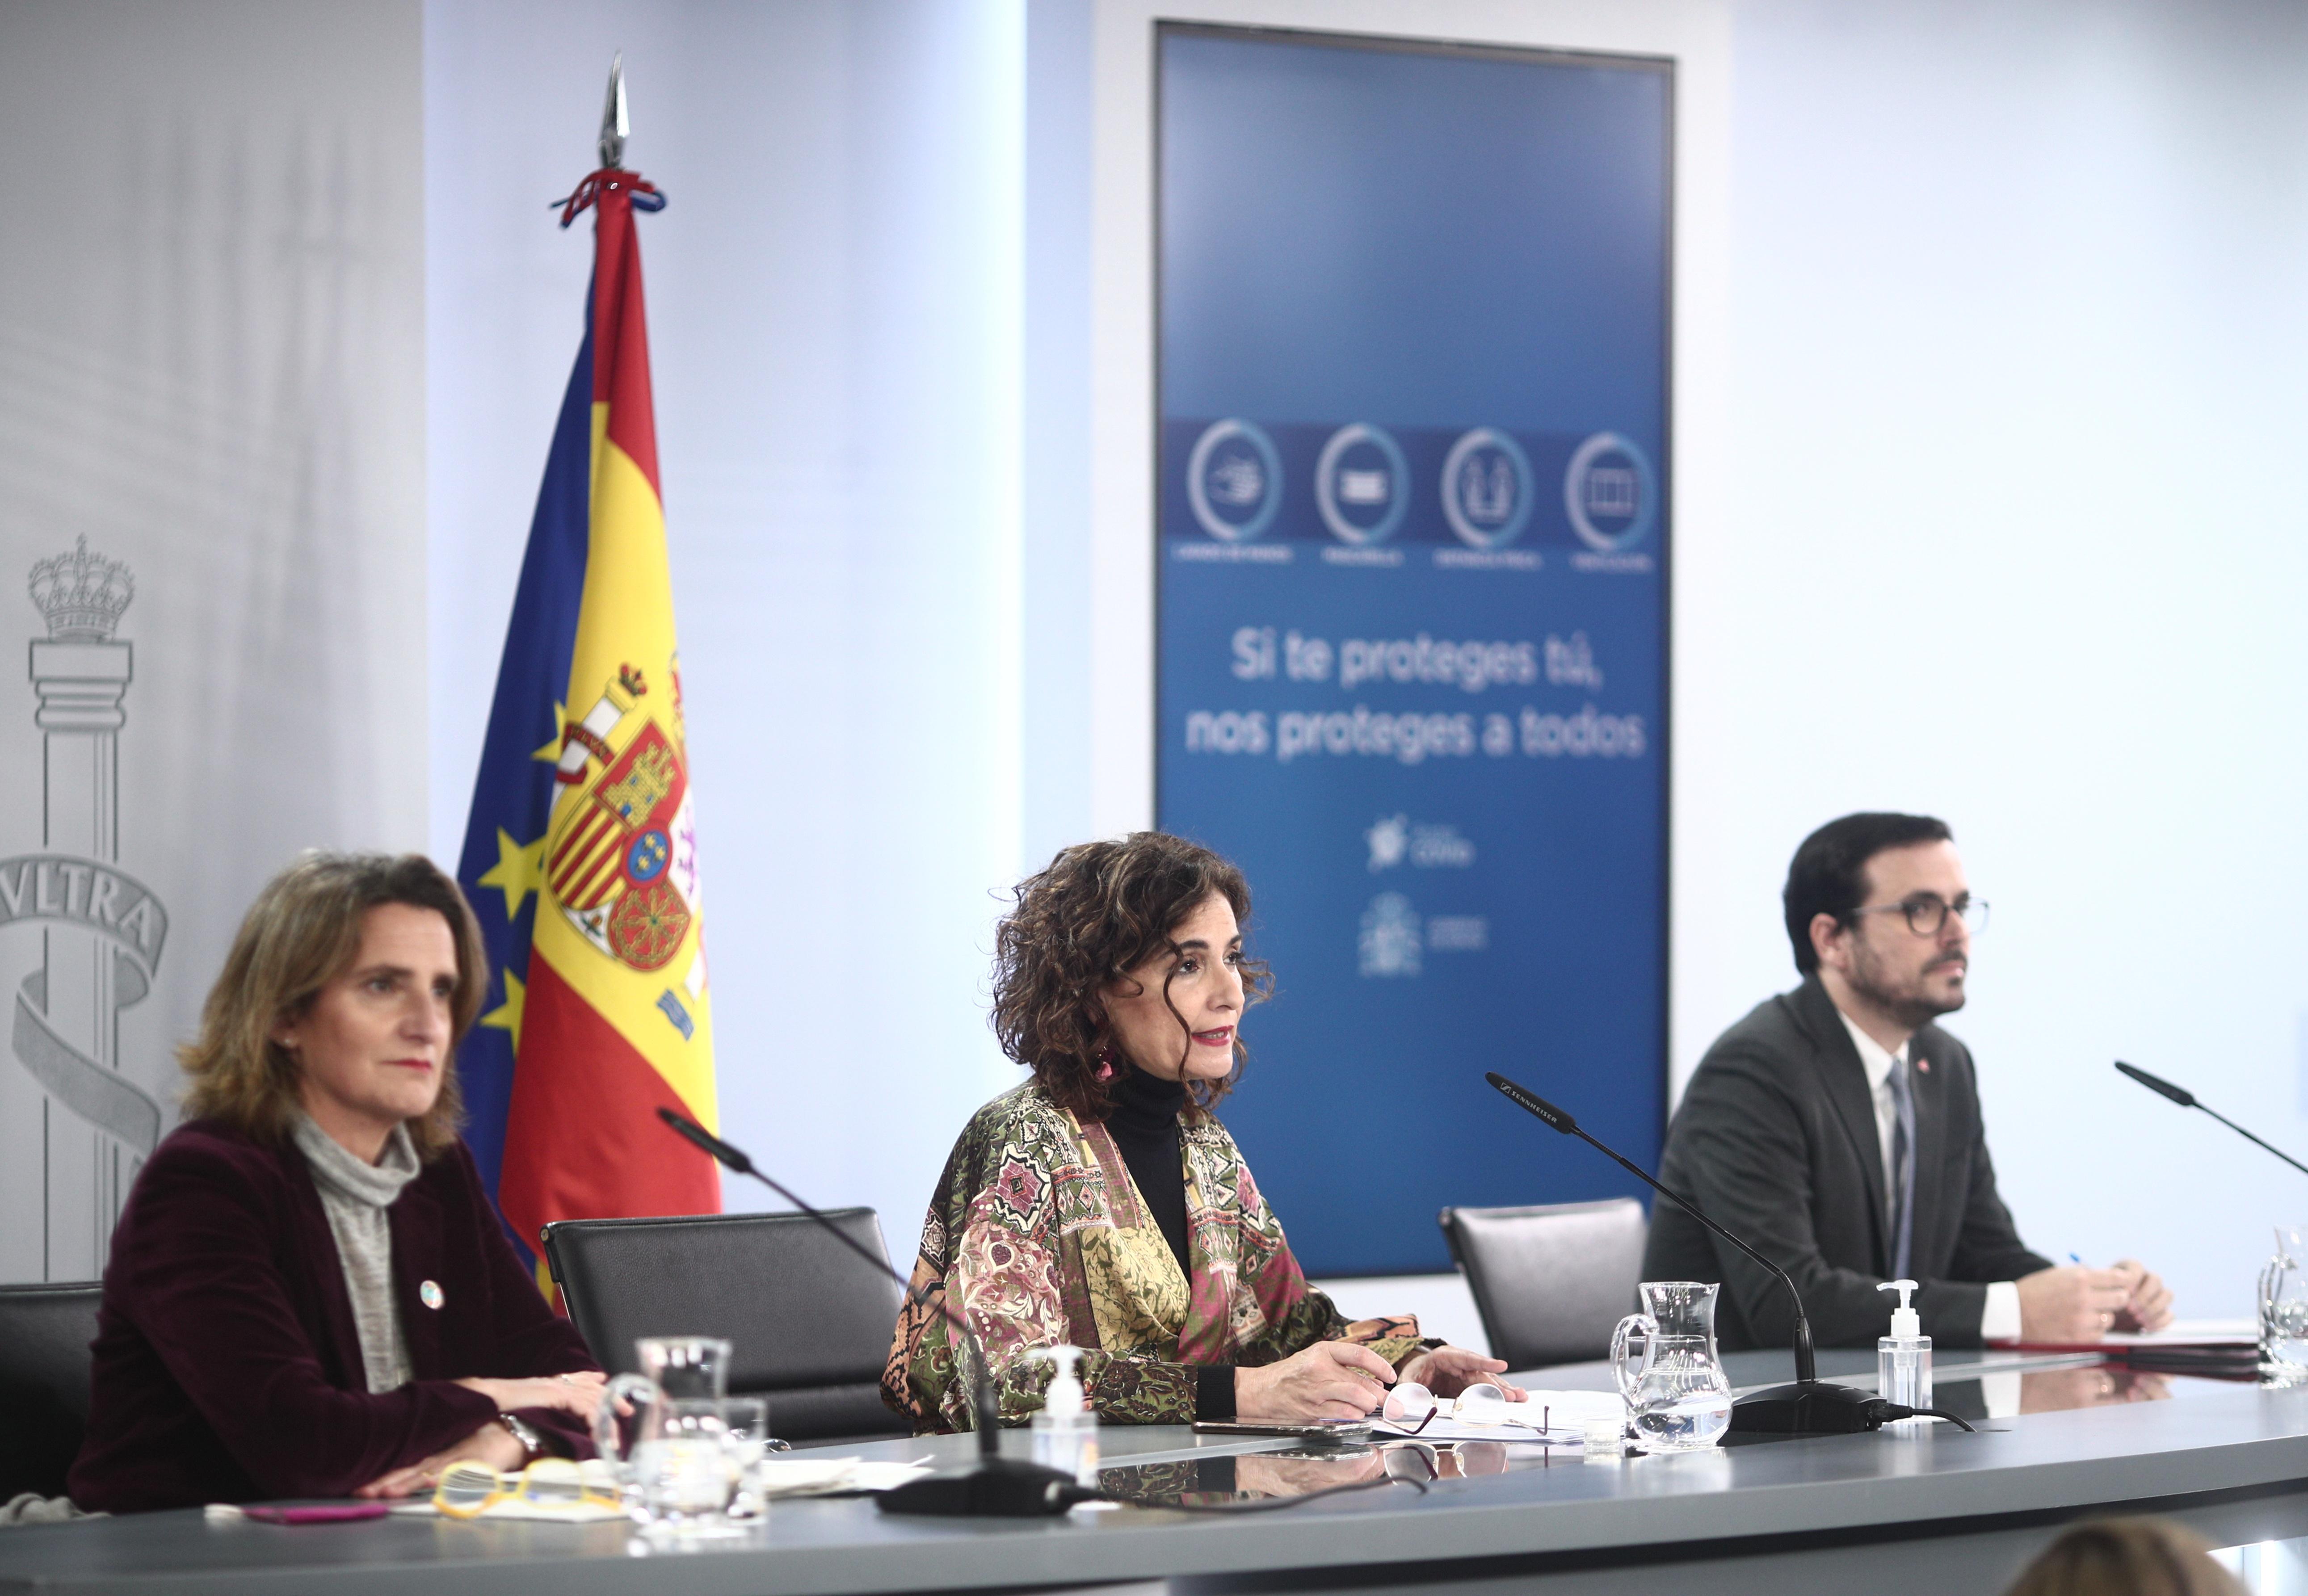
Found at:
<point>1037,1234</point>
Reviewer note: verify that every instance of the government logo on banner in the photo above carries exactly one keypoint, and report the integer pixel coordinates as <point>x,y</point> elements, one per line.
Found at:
<point>102,929</point>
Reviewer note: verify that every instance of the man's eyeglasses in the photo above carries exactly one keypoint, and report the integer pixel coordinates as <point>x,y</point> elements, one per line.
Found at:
<point>1927,914</point>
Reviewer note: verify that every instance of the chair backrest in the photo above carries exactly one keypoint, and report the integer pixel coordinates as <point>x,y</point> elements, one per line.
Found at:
<point>44,1331</point>
<point>1551,1283</point>
<point>808,1322</point>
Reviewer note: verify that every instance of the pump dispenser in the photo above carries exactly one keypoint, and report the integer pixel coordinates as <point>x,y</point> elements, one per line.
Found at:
<point>1903,1359</point>
<point>1065,1431</point>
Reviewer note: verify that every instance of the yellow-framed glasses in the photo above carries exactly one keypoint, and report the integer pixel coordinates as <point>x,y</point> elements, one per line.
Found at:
<point>469,1489</point>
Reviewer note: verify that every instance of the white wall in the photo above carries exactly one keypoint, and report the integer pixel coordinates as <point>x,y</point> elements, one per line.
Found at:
<point>211,367</point>
<point>1999,320</point>
<point>1987,325</point>
<point>2015,537</point>
<point>835,303</point>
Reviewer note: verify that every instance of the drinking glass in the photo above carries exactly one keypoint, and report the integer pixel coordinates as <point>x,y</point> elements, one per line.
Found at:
<point>748,1437</point>
<point>2284,1309</point>
<point>1678,1398</point>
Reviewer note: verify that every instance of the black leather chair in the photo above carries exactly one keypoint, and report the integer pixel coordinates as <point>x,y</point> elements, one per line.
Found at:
<point>1551,1283</point>
<point>44,1331</point>
<point>808,1322</point>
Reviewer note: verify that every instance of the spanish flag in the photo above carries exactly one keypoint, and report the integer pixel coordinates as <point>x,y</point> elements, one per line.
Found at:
<point>581,853</point>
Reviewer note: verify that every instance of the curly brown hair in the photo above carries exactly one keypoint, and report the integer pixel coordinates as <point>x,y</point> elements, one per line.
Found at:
<point>1099,911</point>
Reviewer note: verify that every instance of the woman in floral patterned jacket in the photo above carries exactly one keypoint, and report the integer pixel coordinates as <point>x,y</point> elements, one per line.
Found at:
<point>1102,1204</point>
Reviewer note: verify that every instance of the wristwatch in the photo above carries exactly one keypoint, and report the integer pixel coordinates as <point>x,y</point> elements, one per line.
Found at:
<point>521,1430</point>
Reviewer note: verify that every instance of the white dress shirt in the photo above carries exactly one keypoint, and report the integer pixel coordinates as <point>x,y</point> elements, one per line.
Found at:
<point>1999,1319</point>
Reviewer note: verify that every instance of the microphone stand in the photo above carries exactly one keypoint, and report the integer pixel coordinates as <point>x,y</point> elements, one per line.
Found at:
<point>995,1487</point>
<point>1809,1407</point>
<point>2187,1099</point>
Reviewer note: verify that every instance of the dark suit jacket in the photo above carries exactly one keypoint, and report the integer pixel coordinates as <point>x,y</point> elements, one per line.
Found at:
<point>1776,1139</point>
<point>227,1365</point>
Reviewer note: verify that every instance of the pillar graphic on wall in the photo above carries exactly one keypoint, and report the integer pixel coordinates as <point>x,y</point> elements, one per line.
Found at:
<point>100,931</point>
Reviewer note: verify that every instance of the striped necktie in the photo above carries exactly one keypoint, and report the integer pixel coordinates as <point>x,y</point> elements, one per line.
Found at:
<point>1903,1169</point>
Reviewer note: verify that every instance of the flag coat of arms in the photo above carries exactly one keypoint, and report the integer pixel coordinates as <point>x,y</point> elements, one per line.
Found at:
<point>581,853</point>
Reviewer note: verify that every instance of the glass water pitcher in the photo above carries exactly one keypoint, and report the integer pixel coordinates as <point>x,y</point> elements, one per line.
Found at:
<point>1678,1398</point>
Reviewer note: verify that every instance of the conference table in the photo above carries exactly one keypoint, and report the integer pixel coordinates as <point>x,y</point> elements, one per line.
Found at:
<point>1927,1509</point>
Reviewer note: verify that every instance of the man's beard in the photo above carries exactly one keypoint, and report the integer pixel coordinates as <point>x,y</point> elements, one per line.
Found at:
<point>1913,1009</point>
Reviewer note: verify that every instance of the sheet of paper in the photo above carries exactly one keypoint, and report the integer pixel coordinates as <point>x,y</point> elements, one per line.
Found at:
<point>1567,1412</point>
<point>806,1476</point>
<point>1454,1430</point>
<point>2181,1333</point>
<point>2190,1333</point>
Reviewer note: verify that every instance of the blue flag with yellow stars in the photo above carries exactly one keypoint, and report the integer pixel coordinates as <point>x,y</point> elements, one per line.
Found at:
<point>503,862</point>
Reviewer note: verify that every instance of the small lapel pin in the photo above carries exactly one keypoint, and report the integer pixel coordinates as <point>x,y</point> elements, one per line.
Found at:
<point>430,1295</point>
<point>1925,1064</point>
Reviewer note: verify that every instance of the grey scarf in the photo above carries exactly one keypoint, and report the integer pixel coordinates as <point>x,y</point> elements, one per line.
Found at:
<point>354,1196</point>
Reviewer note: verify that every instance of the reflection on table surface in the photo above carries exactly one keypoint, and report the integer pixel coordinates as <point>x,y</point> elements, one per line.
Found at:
<point>2059,1390</point>
<point>1298,1471</point>
<point>2004,1394</point>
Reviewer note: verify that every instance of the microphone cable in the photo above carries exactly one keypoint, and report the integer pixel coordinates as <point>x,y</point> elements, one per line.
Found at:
<point>1890,1412</point>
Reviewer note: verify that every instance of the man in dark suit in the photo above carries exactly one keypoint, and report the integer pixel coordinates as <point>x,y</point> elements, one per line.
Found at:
<point>1837,1128</point>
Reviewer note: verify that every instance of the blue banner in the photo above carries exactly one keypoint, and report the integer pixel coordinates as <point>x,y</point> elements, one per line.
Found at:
<point>1413,541</point>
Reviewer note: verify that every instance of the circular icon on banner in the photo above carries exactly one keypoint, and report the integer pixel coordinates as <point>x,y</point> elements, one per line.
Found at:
<point>1486,489</point>
<point>1609,492</point>
<point>1234,481</point>
<point>1362,485</point>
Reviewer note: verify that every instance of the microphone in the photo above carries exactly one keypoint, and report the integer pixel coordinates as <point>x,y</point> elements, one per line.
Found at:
<point>1807,1407</point>
<point>2187,1099</point>
<point>995,1487</point>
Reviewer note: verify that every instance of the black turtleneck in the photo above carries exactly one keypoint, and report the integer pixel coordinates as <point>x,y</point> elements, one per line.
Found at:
<point>1144,1125</point>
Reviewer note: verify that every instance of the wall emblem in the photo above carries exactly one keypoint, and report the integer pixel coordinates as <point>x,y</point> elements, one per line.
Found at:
<point>102,930</point>
<point>1390,941</point>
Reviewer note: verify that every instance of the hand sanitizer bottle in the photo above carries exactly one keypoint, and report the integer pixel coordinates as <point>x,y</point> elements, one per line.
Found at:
<point>1903,1359</point>
<point>1065,1431</point>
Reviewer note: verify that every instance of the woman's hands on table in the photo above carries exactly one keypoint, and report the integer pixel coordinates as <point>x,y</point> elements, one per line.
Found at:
<point>1332,1379</point>
<point>492,1444</point>
<point>578,1391</point>
<point>1342,1379</point>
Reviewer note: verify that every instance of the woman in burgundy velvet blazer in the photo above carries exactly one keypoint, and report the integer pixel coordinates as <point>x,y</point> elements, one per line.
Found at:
<point>228,1358</point>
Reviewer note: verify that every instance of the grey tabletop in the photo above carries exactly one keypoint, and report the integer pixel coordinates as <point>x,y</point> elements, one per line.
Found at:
<point>2206,1436</point>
